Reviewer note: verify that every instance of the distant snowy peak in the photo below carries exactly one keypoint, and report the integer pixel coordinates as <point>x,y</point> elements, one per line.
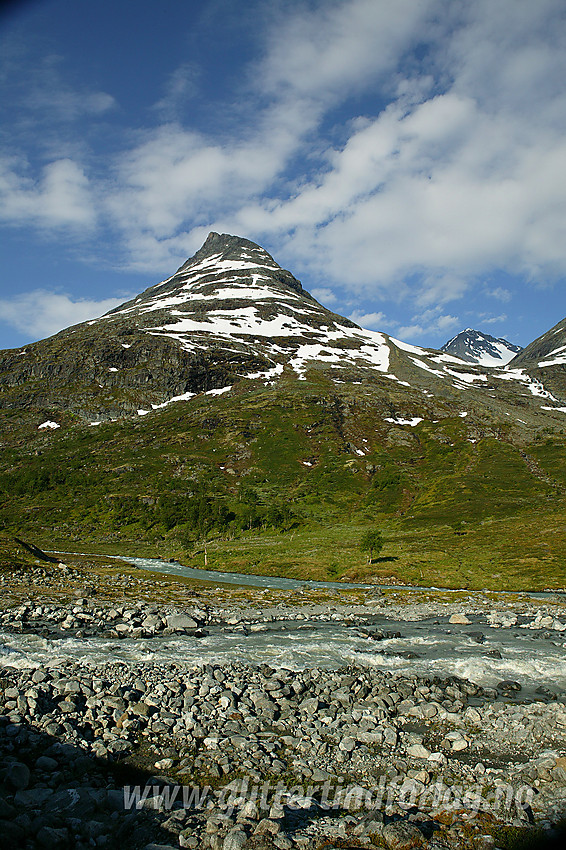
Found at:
<point>485,350</point>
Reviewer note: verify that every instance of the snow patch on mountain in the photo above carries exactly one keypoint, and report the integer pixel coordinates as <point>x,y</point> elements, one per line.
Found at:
<point>554,358</point>
<point>535,386</point>
<point>400,421</point>
<point>467,377</point>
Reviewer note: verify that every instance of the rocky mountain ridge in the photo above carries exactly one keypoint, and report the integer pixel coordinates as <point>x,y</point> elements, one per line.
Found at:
<point>545,359</point>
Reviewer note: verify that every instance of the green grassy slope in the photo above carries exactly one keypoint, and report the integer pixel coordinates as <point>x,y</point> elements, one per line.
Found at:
<point>286,480</point>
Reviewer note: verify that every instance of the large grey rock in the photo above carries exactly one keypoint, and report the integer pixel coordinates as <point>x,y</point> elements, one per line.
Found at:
<point>46,763</point>
<point>418,751</point>
<point>235,840</point>
<point>50,837</point>
<point>34,798</point>
<point>179,622</point>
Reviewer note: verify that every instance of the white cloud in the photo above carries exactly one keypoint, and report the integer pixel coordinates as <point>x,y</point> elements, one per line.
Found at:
<point>313,58</point>
<point>42,86</point>
<point>429,323</point>
<point>181,87</point>
<point>69,105</point>
<point>40,313</point>
<point>324,52</point>
<point>493,320</point>
<point>454,164</point>
<point>174,177</point>
<point>59,198</point>
<point>441,187</point>
<point>368,320</point>
<point>324,295</point>
<point>440,288</point>
<point>434,190</point>
<point>500,293</point>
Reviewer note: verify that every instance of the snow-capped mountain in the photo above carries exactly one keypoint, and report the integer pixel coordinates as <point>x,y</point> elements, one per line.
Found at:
<point>231,315</point>
<point>233,297</point>
<point>476,347</point>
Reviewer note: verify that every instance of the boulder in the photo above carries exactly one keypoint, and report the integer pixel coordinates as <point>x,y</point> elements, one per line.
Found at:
<point>418,751</point>
<point>180,622</point>
<point>402,835</point>
<point>235,840</point>
<point>18,775</point>
<point>459,620</point>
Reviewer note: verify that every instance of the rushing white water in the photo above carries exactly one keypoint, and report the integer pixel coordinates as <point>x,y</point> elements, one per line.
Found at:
<point>534,657</point>
<point>428,647</point>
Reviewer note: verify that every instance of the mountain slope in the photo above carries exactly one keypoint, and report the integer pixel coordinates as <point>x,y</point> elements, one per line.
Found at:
<point>231,313</point>
<point>545,360</point>
<point>232,406</point>
<point>483,349</point>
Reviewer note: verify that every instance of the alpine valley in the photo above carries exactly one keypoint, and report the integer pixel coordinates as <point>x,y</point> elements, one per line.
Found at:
<point>227,405</point>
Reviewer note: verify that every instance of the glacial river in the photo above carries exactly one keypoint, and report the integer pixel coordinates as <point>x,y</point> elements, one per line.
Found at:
<point>479,651</point>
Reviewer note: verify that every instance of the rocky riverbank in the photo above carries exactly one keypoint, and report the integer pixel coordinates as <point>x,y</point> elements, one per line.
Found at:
<point>229,756</point>
<point>369,757</point>
<point>85,618</point>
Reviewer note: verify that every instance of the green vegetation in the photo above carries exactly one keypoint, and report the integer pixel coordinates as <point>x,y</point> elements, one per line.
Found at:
<point>275,482</point>
<point>372,543</point>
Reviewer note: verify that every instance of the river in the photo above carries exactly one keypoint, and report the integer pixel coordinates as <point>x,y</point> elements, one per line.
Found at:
<point>479,652</point>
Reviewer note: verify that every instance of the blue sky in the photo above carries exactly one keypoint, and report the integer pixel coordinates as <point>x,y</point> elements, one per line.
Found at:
<point>405,160</point>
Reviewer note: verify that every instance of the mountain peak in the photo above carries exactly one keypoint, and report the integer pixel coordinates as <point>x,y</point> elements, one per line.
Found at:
<point>225,246</point>
<point>232,314</point>
<point>477,347</point>
<point>222,253</point>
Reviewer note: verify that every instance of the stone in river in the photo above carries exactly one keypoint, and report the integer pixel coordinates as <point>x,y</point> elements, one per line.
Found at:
<point>479,637</point>
<point>508,686</point>
<point>459,620</point>
<point>179,622</point>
